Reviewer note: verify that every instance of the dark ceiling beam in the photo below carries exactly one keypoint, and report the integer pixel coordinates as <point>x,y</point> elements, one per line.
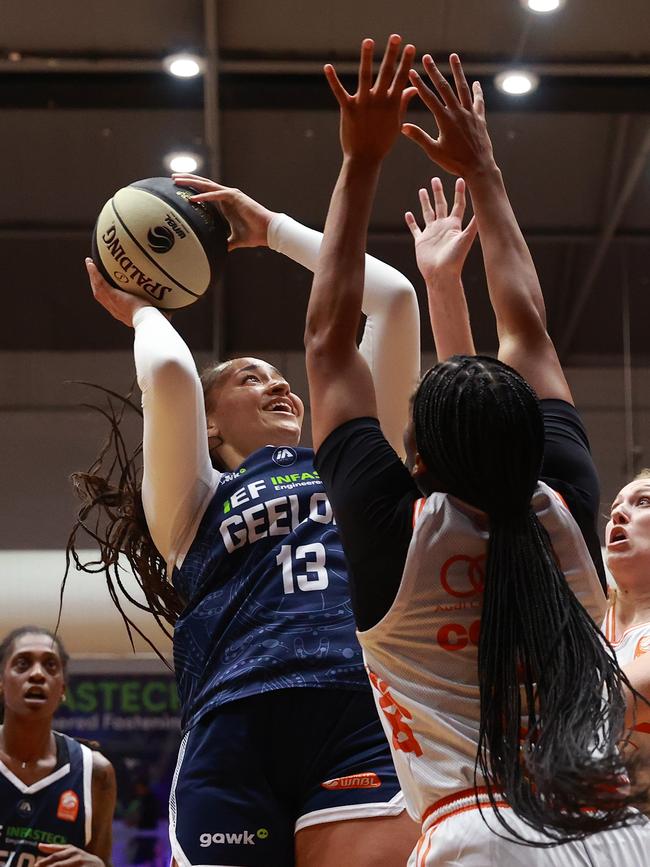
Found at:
<point>304,90</point>
<point>32,64</point>
<point>581,238</point>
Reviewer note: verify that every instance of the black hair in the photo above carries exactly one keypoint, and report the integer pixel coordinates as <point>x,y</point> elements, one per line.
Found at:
<point>542,661</point>
<point>112,515</point>
<point>9,640</point>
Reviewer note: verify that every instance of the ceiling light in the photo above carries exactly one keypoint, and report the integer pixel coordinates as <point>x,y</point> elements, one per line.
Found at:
<point>516,82</point>
<point>542,5</point>
<point>183,65</point>
<point>182,162</point>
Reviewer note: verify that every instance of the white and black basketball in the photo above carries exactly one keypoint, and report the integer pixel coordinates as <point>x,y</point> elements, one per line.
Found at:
<point>150,239</point>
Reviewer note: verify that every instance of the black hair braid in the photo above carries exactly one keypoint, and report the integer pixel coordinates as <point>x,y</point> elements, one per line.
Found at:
<point>542,662</point>
<point>113,517</point>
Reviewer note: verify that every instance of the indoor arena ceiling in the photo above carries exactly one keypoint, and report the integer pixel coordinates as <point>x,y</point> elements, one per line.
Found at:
<point>86,107</point>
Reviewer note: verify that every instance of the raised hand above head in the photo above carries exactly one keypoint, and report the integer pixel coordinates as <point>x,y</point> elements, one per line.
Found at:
<point>442,245</point>
<point>441,248</point>
<point>371,118</point>
<point>463,146</point>
<point>249,221</point>
<point>340,382</point>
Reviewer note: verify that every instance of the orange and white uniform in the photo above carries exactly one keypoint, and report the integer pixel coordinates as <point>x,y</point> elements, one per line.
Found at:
<point>629,645</point>
<point>422,662</point>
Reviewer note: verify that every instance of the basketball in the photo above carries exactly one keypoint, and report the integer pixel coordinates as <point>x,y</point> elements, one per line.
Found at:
<point>151,240</point>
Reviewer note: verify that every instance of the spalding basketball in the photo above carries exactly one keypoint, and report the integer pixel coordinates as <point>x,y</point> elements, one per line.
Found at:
<point>150,239</point>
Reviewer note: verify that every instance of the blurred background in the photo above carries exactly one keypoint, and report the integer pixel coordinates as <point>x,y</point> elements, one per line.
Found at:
<point>88,104</point>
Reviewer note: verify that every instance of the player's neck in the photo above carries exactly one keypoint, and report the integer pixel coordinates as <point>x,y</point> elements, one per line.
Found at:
<point>632,608</point>
<point>27,744</point>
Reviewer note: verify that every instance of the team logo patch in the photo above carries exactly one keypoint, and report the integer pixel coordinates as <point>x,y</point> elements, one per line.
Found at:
<point>25,808</point>
<point>354,781</point>
<point>285,456</point>
<point>68,808</point>
<point>462,576</point>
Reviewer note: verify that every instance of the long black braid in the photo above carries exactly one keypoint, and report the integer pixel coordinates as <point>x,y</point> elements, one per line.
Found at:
<point>112,515</point>
<point>542,662</point>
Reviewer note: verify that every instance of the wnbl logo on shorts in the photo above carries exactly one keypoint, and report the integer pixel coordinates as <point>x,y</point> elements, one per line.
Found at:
<point>285,456</point>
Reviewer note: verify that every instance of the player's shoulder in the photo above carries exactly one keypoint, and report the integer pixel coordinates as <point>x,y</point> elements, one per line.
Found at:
<point>103,771</point>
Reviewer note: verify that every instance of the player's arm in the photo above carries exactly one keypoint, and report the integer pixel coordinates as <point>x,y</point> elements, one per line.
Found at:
<point>441,248</point>
<point>178,476</point>
<point>391,337</point>
<point>463,147</point>
<point>340,383</point>
<point>104,795</point>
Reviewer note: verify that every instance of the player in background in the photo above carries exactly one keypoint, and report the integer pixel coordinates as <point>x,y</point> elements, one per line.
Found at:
<point>627,623</point>
<point>57,796</point>
<point>472,625</point>
<point>283,755</point>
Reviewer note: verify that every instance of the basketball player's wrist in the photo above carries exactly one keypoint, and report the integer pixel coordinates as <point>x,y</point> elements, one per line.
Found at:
<point>441,279</point>
<point>483,172</point>
<point>361,165</point>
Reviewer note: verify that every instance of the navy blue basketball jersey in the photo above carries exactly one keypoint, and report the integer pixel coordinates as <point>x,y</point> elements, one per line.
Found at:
<point>56,809</point>
<point>267,589</point>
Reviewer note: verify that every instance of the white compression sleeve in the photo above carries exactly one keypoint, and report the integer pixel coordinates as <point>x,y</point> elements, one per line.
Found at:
<point>179,478</point>
<point>391,337</point>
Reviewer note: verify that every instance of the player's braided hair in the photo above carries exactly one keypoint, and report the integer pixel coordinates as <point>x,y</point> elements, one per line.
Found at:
<point>542,662</point>
<point>112,515</point>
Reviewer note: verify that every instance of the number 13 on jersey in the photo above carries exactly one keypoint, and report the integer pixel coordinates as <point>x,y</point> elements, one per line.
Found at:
<point>304,567</point>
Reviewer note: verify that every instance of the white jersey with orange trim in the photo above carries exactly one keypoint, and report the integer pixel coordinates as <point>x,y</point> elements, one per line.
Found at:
<point>472,839</point>
<point>628,646</point>
<point>422,656</point>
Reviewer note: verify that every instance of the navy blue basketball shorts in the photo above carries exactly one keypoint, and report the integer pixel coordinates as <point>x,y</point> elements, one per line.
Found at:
<point>252,773</point>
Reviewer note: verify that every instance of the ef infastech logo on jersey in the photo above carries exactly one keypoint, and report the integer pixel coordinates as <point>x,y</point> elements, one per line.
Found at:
<point>243,838</point>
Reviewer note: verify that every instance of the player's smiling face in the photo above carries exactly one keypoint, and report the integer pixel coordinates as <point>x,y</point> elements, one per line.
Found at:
<point>32,677</point>
<point>627,536</point>
<point>252,405</point>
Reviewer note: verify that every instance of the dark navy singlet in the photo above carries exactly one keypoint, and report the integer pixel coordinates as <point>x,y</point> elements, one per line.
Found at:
<point>56,809</point>
<point>267,589</point>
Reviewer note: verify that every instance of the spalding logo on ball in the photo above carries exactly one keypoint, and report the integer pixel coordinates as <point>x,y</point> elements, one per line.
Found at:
<point>150,239</point>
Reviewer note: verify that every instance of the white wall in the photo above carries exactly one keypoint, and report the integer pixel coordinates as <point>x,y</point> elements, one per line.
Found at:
<point>90,625</point>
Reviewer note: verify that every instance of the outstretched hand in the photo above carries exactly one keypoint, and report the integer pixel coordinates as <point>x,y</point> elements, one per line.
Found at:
<point>371,118</point>
<point>463,146</point>
<point>249,221</point>
<point>442,245</point>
